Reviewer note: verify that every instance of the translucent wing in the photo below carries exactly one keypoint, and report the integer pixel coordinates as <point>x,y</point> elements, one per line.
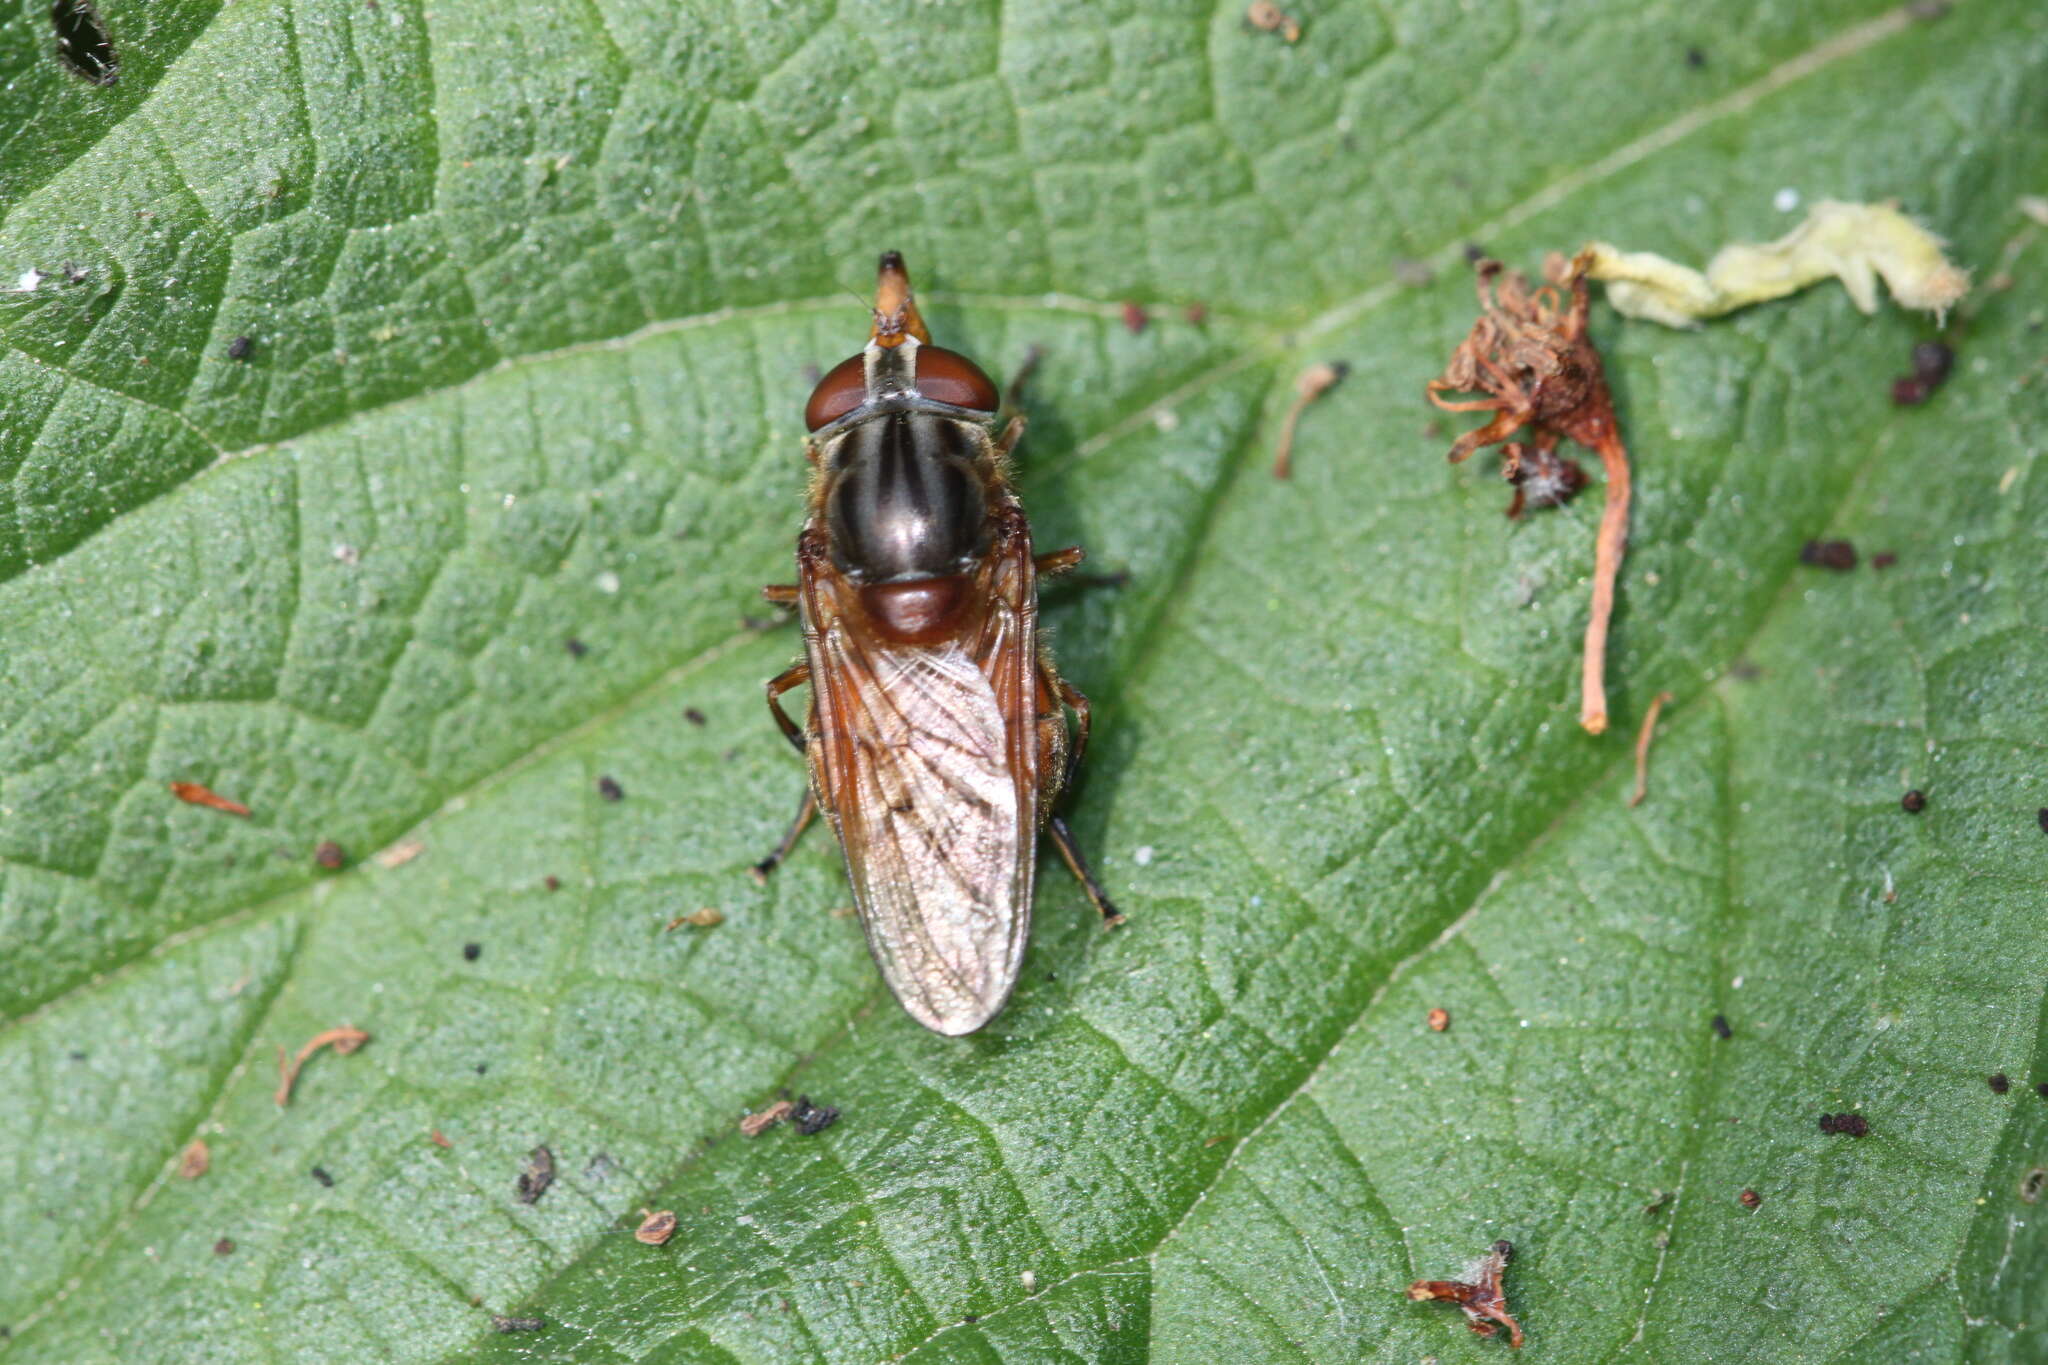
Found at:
<point>926,763</point>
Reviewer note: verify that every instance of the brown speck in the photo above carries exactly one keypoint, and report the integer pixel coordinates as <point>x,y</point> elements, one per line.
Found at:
<point>197,794</point>
<point>2032,1183</point>
<point>753,1125</point>
<point>693,715</point>
<point>1135,316</point>
<point>1999,1082</point>
<point>1721,1029</point>
<point>1219,1138</point>
<point>438,1140</point>
<point>1439,1019</point>
<point>1311,384</point>
<point>1531,356</point>
<point>239,348</point>
<point>705,918</point>
<point>472,951</point>
<point>1838,555</point>
<point>1913,802</point>
<point>1910,391</point>
<point>812,1119</point>
<point>609,789</point>
<point>1484,1301</point>
<point>1268,17</point>
<point>224,1247</point>
<point>1847,1125</point>
<point>501,1323</point>
<point>195,1160</point>
<point>1695,58</point>
<point>552,882</point>
<point>1658,1199</point>
<point>329,855</point>
<point>655,1228</point>
<point>1197,314</point>
<point>342,1040</point>
<point>1883,559</point>
<point>537,1176</point>
<point>319,1173</point>
<point>576,647</point>
<point>1749,1199</point>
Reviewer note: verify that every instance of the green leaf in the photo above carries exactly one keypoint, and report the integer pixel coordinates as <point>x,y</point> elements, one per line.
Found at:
<point>531,292</point>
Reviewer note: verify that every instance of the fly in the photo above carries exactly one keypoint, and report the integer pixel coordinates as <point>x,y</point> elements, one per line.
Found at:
<point>937,737</point>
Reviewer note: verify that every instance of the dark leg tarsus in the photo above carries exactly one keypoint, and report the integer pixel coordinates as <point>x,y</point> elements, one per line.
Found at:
<point>1063,840</point>
<point>805,813</point>
<point>796,675</point>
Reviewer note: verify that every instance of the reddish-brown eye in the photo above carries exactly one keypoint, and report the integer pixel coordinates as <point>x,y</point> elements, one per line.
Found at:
<point>842,390</point>
<point>949,377</point>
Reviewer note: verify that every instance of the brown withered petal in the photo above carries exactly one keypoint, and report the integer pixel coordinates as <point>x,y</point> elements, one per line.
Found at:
<point>656,1228</point>
<point>1530,357</point>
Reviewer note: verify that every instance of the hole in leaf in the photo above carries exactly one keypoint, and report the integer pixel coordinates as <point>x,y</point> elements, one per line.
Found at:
<point>83,43</point>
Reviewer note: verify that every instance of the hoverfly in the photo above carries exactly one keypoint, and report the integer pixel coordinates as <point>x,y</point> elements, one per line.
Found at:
<point>937,737</point>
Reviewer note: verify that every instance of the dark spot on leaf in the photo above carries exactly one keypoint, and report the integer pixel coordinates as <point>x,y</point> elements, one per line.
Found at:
<point>501,1323</point>
<point>2032,1182</point>
<point>971,1319</point>
<point>1913,802</point>
<point>1883,559</point>
<point>538,1175</point>
<point>1848,1125</point>
<point>2041,817</point>
<point>552,882</point>
<point>472,951</point>
<point>224,1247</point>
<point>319,1173</point>
<point>1695,58</point>
<point>1750,1199</point>
<point>1828,554</point>
<point>1999,1082</point>
<point>693,715</point>
<point>238,349</point>
<point>482,1067</point>
<point>575,647</point>
<point>83,43</point>
<point>1135,317</point>
<point>811,1119</point>
<point>329,855</point>
<point>1721,1028</point>
<point>1910,391</point>
<point>1932,361</point>
<point>609,789</point>
<point>1474,253</point>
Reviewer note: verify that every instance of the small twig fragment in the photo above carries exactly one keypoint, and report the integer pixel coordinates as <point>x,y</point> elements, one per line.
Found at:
<point>342,1040</point>
<point>401,853</point>
<point>1313,383</point>
<point>809,1119</point>
<point>195,1160</point>
<point>755,1124</point>
<point>704,918</point>
<point>501,1323</point>
<point>198,794</point>
<point>655,1228</point>
<point>1643,737</point>
<point>1483,1298</point>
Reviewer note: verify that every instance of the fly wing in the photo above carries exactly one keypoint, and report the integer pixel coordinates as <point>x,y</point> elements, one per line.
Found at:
<point>928,771</point>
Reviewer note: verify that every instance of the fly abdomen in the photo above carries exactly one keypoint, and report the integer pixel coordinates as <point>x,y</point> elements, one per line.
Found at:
<point>906,500</point>
<point>919,611</point>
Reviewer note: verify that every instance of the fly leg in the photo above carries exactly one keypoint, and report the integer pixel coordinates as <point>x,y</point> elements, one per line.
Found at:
<point>804,815</point>
<point>1063,840</point>
<point>1063,837</point>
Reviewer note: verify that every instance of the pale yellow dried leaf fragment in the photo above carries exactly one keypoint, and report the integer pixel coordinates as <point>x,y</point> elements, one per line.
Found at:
<point>1857,244</point>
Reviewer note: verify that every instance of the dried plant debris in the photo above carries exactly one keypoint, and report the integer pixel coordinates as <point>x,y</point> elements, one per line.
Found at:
<point>198,794</point>
<point>1311,384</point>
<point>1531,357</point>
<point>1643,738</point>
<point>1749,1199</point>
<point>538,1174</point>
<point>1839,555</point>
<point>1847,1125</point>
<point>1268,17</point>
<point>809,1119</point>
<point>501,1323</point>
<point>755,1124</point>
<point>655,1227</point>
<point>1482,1297</point>
<point>1932,361</point>
<point>1857,244</point>
<point>342,1040</point>
<point>195,1160</point>
<point>1439,1019</point>
<point>706,917</point>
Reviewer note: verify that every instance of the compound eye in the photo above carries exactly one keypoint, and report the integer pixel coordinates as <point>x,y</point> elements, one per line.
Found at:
<point>949,377</point>
<point>844,388</point>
